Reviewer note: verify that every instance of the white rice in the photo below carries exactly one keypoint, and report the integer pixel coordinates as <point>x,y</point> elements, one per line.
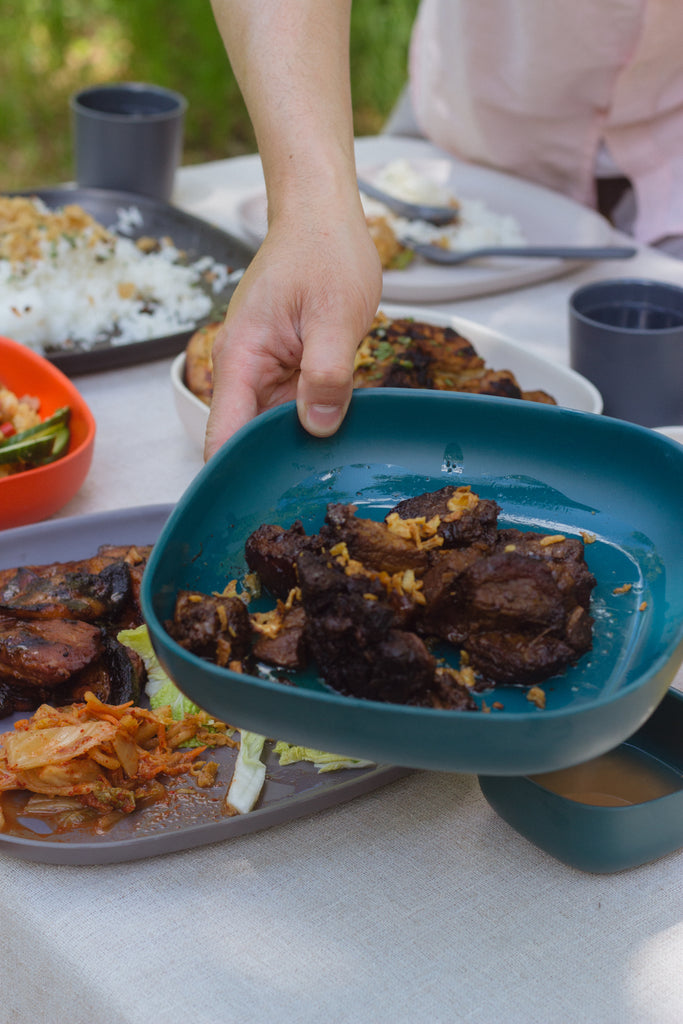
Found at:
<point>70,298</point>
<point>478,225</point>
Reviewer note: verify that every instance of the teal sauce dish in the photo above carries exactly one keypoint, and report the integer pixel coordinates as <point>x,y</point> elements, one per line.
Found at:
<point>615,833</point>
<point>549,469</point>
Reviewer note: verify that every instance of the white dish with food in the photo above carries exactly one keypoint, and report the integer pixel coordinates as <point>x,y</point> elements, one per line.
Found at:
<point>496,209</point>
<point>568,388</point>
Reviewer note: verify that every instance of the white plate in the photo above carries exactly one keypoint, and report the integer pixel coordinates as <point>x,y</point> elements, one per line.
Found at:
<point>545,218</point>
<point>567,387</point>
<point>675,433</point>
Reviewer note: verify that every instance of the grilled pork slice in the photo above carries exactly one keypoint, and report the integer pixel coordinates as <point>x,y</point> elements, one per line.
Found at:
<point>48,652</point>
<point>90,597</point>
<point>115,676</point>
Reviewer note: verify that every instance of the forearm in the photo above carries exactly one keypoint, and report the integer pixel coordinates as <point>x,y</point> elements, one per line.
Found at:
<point>290,59</point>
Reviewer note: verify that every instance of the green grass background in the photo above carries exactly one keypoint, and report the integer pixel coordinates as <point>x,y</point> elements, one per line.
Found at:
<point>50,49</point>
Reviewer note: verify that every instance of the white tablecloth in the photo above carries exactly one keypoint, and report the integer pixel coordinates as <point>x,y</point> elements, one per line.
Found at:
<point>414,903</point>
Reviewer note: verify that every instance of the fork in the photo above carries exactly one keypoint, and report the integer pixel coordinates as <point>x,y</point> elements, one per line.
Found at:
<point>437,254</point>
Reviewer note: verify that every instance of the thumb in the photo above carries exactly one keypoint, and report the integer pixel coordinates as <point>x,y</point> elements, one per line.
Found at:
<point>326,380</point>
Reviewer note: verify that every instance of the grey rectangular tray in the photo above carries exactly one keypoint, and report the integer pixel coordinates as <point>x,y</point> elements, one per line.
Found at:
<point>192,817</point>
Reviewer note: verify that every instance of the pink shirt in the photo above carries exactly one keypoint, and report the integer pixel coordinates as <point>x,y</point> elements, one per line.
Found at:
<point>535,87</point>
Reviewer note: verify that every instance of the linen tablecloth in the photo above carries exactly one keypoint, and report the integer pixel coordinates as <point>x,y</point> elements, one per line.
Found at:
<point>413,903</point>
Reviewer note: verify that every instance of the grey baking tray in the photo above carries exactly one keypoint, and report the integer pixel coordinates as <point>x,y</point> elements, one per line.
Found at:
<point>192,817</point>
<point>196,237</point>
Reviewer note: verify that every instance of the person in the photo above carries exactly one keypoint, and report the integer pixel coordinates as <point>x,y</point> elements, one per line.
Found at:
<point>567,94</point>
<point>310,293</point>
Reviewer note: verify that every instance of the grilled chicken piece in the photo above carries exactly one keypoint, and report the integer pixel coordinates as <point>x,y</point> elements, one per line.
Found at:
<point>412,354</point>
<point>199,362</point>
<point>116,677</point>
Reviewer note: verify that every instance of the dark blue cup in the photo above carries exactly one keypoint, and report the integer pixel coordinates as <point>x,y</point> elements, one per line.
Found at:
<point>626,336</point>
<point>128,137</point>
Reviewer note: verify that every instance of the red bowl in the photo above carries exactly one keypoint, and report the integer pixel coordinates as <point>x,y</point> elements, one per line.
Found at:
<point>37,494</point>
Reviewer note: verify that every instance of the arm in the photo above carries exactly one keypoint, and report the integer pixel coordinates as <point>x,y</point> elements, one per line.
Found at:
<point>308,297</point>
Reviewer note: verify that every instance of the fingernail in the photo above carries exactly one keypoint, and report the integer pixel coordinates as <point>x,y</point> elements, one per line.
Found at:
<point>323,419</point>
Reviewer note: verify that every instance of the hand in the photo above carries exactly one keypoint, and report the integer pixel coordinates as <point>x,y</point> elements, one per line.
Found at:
<point>295,322</point>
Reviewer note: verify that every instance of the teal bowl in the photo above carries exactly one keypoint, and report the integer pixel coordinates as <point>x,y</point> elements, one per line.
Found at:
<point>548,468</point>
<point>620,810</point>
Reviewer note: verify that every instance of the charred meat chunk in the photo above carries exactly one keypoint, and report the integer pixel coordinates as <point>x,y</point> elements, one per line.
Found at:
<point>280,636</point>
<point>211,626</point>
<point>565,557</point>
<point>89,597</point>
<point>508,612</point>
<point>271,551</point>
<point>351,636</point>
<point>374,544</point>
<point>519,658</point>
<point>115,678</point>
<point>464,517</point>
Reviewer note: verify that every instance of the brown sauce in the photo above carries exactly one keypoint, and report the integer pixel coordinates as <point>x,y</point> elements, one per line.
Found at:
<point>619,778</point>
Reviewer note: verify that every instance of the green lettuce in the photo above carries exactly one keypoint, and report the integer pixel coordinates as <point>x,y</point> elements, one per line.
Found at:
<point>289,754</point>
<point>249,773</point>
<point>160,688</point>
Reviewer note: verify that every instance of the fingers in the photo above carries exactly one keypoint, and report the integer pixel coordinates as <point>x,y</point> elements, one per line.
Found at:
<point>326,380</point>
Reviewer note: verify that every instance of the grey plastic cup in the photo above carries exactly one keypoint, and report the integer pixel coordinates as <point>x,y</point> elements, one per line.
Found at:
<point>128,136</point>
<point>626,336</point>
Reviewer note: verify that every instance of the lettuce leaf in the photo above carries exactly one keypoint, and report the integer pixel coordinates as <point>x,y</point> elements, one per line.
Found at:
<point>289,754</point>
<point>160,688</point>
<point>249,774</point>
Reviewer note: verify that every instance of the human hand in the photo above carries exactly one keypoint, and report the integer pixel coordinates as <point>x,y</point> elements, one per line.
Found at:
<point>295,322</point>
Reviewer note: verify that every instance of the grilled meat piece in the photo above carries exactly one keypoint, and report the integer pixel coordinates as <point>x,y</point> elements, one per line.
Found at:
<point>519,658</point>
<point>371,543</point>
<point>565,558</point>
<point>413,354</point>
<point>199,361</point>
<point>211,626</point>
<point>81,595</point>
<point>272,551</point>
<point>350,634</point>
<point>511,616</point>
<point>46,653</point>
<point>285,645</point>
<point>115,676</point>
<point>465,518</point>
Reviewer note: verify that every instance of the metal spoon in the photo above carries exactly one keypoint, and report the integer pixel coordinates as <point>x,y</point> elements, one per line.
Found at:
<point>438,215</point>
<point>437,254</point>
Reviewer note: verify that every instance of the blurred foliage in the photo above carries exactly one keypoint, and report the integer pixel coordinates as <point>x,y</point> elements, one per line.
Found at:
<point>52,48</point>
